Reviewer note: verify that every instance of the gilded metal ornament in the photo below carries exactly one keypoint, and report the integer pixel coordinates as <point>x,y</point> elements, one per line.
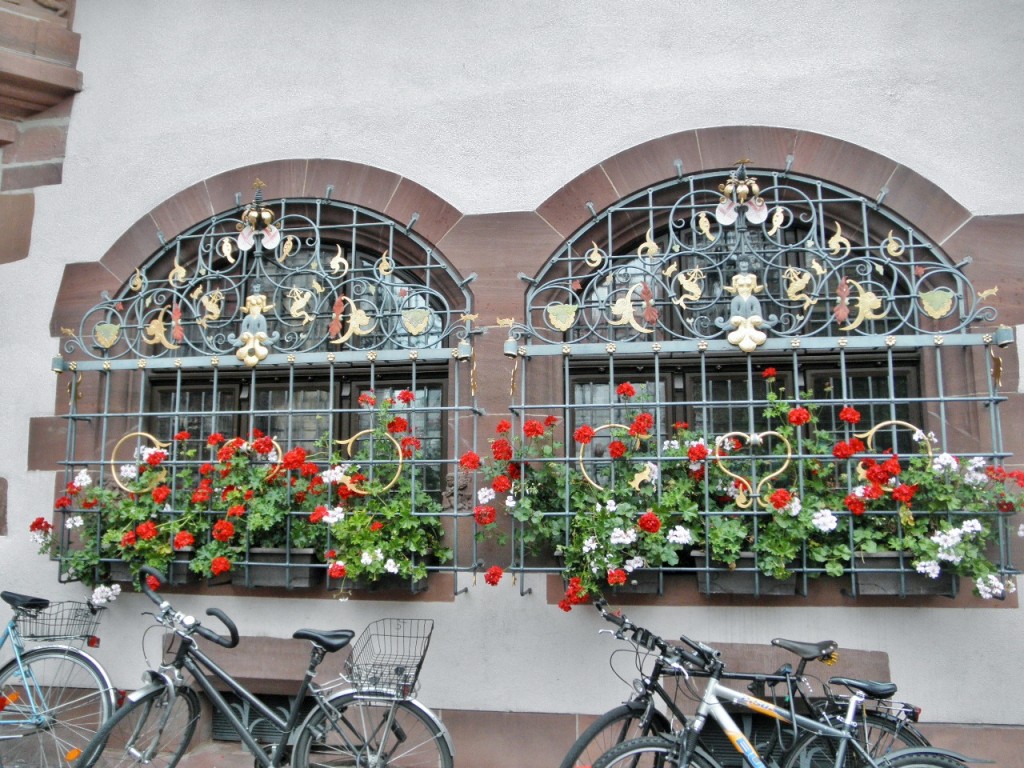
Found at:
<point>562,316</point>
<point>747,493</point>
<point>349,445</point>
<point>639,478</point>
<point>417,320</point>
<point>154,478</point>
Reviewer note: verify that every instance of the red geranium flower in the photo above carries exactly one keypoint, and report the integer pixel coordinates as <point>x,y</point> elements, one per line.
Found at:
<point>161,493</point>
<point>493,575</point>
<point>849,414</point>
<point>405,397</point>
<point>183,539</point>
<point>625,389</point>
<point>40,525</point>
<point>236,510</point>
<point>642,425</point>
<point>504,427</point>
<point>780,498</point>
<point>584,434</point>
<point>219,565</point>
<point>367,399</point>
<point>156,458</point>
<point>337,571</point>
<point>855,504</point>
<point>147,530</point>
<point>799,416</point>
<point>294,459</point>
<point>616,576</point>
<point>63,502</point>
<point>318,514</point>
<point>469,461</point>
<point>410,445</point>
<point>501,484</point>
<point>550,421</point>
<point>649,522</point>
<point>183,435</point>
<point>697,452</point>
<point>153,582</point>
<point>501,449</point>
<point>398,425</point>
<point>376,525</point>
<point>215,439</point>
<point>533,428</point>
<point>484,514</point>
<point>129,539</point>
<point>769,374</point>
<point>617,449</point>
<point>223,530</point>
<point>904,493</point>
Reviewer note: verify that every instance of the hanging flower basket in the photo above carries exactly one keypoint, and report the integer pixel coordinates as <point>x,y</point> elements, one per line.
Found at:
<point>280,567</point>
<point>744,579</point>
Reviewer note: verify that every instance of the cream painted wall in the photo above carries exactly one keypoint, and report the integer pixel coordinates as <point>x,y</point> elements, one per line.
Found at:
<point>494,107</point>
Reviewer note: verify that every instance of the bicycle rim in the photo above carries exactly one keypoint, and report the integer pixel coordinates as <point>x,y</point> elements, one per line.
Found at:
<point>359,732</point>
<point>56,702</point>
<point>153,731</point>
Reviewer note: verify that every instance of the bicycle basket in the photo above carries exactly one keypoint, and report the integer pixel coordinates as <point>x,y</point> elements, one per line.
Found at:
<point>66,620</point>
<point>388,655</point>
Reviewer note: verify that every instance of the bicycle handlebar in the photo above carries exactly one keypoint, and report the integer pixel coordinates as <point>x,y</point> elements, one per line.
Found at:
<point>646,639</point>
<point>187,622</point>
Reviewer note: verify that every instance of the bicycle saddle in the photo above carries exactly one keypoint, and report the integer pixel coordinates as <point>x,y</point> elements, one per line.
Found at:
<point>328,639</point>
<point>25,601</point>
<point>869,688</point>
<point>808,651</point>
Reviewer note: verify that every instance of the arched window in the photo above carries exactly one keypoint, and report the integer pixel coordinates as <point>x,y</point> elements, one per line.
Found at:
<point>327,330</point>
<point>781,338</point>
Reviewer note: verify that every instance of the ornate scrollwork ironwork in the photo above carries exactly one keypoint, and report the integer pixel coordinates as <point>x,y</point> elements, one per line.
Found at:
<point>281,277</point>
<point>748,261</point>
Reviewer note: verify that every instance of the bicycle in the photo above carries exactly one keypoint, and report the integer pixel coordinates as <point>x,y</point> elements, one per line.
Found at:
<point>53,698</point>
<point>377,722</point>
<point>653,708</point>
<point>828,742</point>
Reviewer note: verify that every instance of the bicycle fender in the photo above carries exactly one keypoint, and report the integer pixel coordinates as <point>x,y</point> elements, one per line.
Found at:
<point>78,652</point>
<point>156,683</point>
<point>933,751</point>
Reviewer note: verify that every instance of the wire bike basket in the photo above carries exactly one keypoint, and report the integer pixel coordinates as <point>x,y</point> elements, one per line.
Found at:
<point>388,656</point>
<point>65,620</point>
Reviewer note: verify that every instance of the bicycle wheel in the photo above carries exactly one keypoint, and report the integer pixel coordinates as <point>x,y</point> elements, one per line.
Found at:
<point>925,761</point>
<point>650,752</point>
<point>145,732</point>
<point>56,702</point>
<point>878,734</point>
<point>356,730</point>
<point>613,727</point>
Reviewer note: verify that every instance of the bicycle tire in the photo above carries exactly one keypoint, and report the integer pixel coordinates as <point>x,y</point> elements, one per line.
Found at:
<point>134,731</point>
<point>75,702</point>
<point>817,751</point>
<point>615,726</point>
<point>353,731</point>
<point>650,752</point>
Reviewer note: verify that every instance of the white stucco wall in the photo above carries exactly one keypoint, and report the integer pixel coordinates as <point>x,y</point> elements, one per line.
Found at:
<point>495,107</point>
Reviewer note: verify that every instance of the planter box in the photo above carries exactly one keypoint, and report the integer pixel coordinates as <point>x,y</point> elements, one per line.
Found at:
<point>387,583</point>
<point>878,573</point>
<point>739,582</point>
<point>643,581</point>
<point>179,572</point>
<point>298,574</point>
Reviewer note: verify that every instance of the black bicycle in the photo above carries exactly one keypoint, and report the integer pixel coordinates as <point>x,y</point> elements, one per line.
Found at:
<point>655,708</point>
<point>375,722</point>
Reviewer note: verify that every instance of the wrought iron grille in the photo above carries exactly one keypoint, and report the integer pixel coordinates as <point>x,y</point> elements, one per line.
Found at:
<point>293,319</point>
<point>721,303</point>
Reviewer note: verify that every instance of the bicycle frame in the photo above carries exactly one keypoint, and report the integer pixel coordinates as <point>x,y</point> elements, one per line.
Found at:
<point>191,658</point>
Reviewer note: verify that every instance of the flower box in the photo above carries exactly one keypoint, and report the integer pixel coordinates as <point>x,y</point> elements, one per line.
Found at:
<point>386,583</point>
<point>881,573</point>
<point>744,579</point>
<point>642,581</point>
<point>267,568</point>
